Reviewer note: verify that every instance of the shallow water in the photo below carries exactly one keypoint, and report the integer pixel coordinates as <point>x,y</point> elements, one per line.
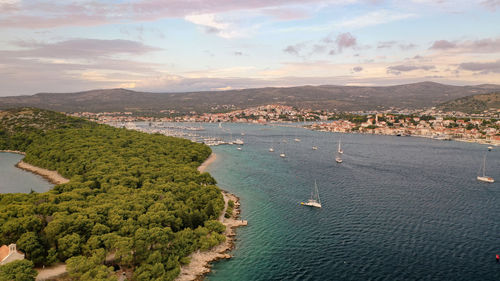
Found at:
<point>15,180</point>
<point>398,208</point>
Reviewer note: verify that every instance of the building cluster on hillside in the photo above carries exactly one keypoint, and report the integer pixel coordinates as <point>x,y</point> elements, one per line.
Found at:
<point>446,128</point>
<point>427,123</point>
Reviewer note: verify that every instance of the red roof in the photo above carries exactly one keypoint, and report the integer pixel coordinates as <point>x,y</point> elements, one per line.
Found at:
<point>4,252</point>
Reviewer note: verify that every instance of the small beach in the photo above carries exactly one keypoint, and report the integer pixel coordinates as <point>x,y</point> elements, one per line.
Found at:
<point>52,176</point>
<point>207,162</point>
<point>200,261</point>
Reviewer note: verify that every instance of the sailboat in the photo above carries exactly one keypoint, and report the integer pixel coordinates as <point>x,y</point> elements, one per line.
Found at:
<point>314,200</point>
<point>484,177</point>
<point>297,139</point>
<point>282,152</point>
<point>271,149</point>
<point>340,151</point>
<point>338,159</point>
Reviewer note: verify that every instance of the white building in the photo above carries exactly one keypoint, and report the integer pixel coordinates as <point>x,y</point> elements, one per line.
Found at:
<point>9,254</point>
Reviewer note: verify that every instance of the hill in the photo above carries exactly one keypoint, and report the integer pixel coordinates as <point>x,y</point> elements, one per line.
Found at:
<point>473,104</point>
<point>327,97</point>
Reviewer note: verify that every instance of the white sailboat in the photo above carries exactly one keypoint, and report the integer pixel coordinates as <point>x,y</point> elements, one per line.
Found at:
<point>297,139</point>
<point>282,152</point>
<point>239,142</point>
<point>271,149</point>
<point>314,146</point>
<point>314,200</point>
<point>338,158</point>
<point>484,178</point>
<point>339,150</point>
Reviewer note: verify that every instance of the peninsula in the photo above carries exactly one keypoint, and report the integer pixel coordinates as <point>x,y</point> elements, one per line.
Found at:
<point>134,197</point>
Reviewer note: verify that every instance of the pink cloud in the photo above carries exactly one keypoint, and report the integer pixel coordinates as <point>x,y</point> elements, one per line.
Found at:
<point>487,45</point>
<point>443,44</point>
<point>345,40</point>
<point>37,14</point>
<point>81,48</point>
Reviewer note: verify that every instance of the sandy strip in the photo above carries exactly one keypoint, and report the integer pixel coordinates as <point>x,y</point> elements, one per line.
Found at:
<point>200,261</point>
<point>207,162</point>
<point>52,176</point>
<point>13,151</point>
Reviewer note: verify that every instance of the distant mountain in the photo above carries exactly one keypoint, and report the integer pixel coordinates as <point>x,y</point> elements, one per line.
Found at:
<point>343,98</point>
<point>473,104</point>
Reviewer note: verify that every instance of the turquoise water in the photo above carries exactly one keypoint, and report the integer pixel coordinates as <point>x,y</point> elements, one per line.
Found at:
<point>15,180</point>
<point>398,208</point>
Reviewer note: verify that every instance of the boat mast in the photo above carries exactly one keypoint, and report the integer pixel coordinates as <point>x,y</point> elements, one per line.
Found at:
<point>484,165</point>
<point>317,192</point>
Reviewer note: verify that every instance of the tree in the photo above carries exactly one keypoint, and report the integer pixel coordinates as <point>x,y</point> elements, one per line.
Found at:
<point>69,245</point>
<point>18,270</point>
<point>30,244</point>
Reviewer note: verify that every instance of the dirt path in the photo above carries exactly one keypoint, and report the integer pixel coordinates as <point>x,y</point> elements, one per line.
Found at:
<point>52,272</point>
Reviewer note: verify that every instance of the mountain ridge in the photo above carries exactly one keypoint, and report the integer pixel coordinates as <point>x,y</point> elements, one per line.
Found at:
<point>473,104</point>
<point>324,97</point>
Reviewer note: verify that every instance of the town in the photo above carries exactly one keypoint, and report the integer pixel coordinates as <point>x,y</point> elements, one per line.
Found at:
<point>431,123</point>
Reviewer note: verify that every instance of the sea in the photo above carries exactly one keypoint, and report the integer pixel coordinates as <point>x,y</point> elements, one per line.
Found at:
<point>397,208</point>
<point>15,180</point>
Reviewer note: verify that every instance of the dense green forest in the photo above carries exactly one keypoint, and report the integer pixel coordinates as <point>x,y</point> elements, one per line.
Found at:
<point>133,198</point>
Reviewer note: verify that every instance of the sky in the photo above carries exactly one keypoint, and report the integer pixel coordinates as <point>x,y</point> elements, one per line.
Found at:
<point>194,45</point>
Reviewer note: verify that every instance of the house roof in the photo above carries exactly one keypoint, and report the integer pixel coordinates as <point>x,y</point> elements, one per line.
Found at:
<point>4,252</point>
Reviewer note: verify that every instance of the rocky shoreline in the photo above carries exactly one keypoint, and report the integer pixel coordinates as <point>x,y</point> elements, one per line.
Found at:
<point>201,261</point>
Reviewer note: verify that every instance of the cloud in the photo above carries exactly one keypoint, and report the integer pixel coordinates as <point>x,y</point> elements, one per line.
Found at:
<point>486,45</point>
<point>491,4</point>
<point>214,25</point>
<point>374,18</point>
<point>408,46</point>
<point>332,44</point>
<point>339,43</point>
<point>398,69</point>
<point>36,14</point>
<point>80,48</point>
<point>70,65</point>
<point>345,40</point>
<point>294,49</point>
<point>443,44</point>
<point>481,67</point>
<point>385,44</point>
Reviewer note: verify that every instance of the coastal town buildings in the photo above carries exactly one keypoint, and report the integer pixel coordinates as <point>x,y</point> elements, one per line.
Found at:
<point>431,123</point>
